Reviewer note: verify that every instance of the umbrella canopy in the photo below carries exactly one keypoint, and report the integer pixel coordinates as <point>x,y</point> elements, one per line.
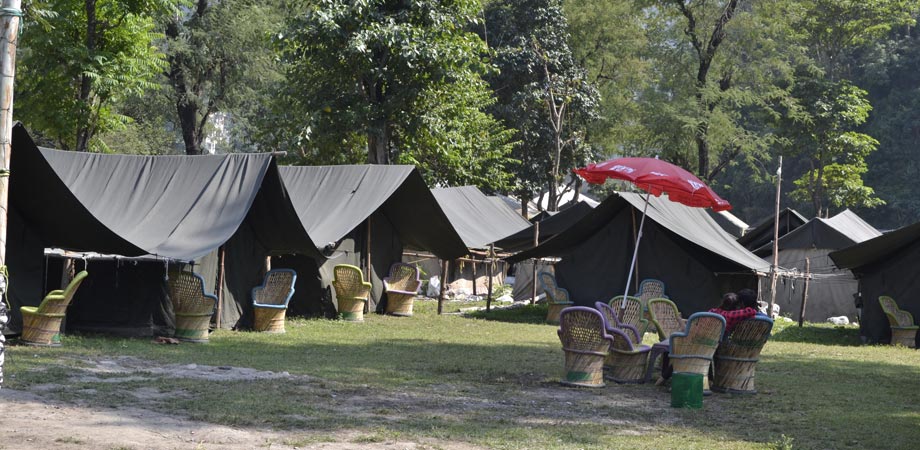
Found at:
<point>656,177</point>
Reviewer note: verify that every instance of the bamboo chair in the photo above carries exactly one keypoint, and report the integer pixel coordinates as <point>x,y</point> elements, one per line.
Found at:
<point>41,325</point>
<point>401,287</point>
<point>586,344</point>
<point>351,292</point>
<point>614,322</point>
<point>903,328</point>
<point>666,317</point>
<point>649,288</point>
<point>737,356</point>
<point>691,351</point>
<point>625,362</point>
<point>557,298</point>
<point>630,313</point>
<point>270,300</point>
<point>192,306</point>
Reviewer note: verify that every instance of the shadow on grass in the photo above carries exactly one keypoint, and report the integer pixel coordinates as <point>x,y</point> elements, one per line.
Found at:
<point>535,314</point>
<point>820,335</point>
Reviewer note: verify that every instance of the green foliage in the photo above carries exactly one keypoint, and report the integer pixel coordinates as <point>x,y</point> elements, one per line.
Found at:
<point>75,68</point>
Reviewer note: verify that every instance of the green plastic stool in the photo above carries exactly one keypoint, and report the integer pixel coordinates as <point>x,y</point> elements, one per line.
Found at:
<point>687,390</point>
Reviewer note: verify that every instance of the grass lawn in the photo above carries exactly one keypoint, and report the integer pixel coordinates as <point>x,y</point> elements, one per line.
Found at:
<point>489,380</point>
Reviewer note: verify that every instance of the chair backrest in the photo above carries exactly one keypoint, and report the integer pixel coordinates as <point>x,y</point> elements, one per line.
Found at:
<point>402,277</point>
<point>613,322</point>
<point>650,288</point>
<point>629,311</point>
<point>747,339</point>
<point>186,292</point>
<point>701,338</point>
<point>554,293</point>
<point>582,329</point>
<point>57,303</point>
<point>348,281</point>
<point>276,289</point>
<point>665,316</point>
<point>897,317</point>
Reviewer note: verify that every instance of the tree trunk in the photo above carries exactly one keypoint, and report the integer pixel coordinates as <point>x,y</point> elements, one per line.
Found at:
<point>552,204</point>
<point>85,129</point>
<point>188,108</point>
<point>377,143</point>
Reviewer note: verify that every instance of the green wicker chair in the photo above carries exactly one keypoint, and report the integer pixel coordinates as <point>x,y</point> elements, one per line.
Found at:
<point>586,343</point>
<point>351,292</point>
<point>630,312</point>
<point>41,325</point>
<point>903,328</point>
<point>737,356</point>
<point>666,317</point>
<point>691,351</point>
<point>557,298</point>
<point>270,300</point>
<point>192,307</point>
<point>401,287</point>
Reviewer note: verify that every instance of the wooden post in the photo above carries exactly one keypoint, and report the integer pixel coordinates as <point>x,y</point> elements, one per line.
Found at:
<point>779,178</point>
<point>443,294</point>
<point>490,269</point>
<point>805,291</point>
<point>219,285</point>
<point>10,21</point>
<point>473,257</point>
<point>536,242</point>
<point>370,267</point>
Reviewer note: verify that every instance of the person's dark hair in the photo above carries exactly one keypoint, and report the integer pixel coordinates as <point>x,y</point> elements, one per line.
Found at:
<point>748,298</point>
<point>729,302</point>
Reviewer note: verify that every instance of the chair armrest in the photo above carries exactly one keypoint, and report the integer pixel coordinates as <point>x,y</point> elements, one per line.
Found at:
<point>394,291</point>
<point>56,292</point>
<point>269,306</point>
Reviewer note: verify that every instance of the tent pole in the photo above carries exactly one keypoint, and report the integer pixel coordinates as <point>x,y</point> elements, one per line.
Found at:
<point>805,291</point>
<point>536,242</point>
<point>632,264</point>
<point>219,288</point>
<point>490,269</point>
<point>368,248</point>
<point>473,257</point>
<point>779,178</point>
<point>442,295</point>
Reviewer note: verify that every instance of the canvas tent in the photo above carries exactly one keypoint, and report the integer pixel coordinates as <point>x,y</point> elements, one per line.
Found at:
<point>884,265</point>
<point>681,246</point>
<point>343,208</point>
<point>479,220</point>
<point>176,208</point>
<point>762,233</point>
<point>831,290</point>
<point>729,222</point>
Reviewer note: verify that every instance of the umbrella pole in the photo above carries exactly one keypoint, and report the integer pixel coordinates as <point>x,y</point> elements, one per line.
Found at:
<point>632,265</point>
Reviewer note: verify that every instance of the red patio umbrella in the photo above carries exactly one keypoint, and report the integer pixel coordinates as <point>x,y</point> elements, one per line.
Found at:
<point>655,177</point>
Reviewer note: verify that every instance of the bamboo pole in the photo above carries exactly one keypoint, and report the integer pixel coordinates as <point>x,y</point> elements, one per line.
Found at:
<point>219,285</point>
<point>490,269</point>
<point>474,277</point>
<point>779,178</point>
<point>536,242</point>
<point>805,291</point>
<point>442,295</point>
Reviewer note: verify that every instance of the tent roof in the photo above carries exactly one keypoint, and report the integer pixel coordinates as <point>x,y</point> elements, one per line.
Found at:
<point>729,222</point>
<point>478,219</point>
<point>876,249</point>
<point>179,207</point>
<point>840,231</point>
<point>332,200</point>
<point>762,233</point>
<point>691,224</point>
<point>549,227</point>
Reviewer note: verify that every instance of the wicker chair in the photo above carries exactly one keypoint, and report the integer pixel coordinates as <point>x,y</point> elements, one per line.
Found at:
<point>614,322</point>
<point>351,291</point>
<point>630,312</point>
<point>626,362</point>
<point>737,356</point>
<point>666,317</point>
<point>650,288</point>
<point>270,300</point>
<point>193,308</point>
<point>41,325</point>
<point>401,287</point>
<point>586,345</point>
<point>903,329</point>
<point>691,350</point>
<point>557,298</point>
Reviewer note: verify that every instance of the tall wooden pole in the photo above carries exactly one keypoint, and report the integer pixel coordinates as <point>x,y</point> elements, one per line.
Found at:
<point>442,295</point>
<point>536,242</point>
<point>779,179</point>
<point>805,291</point>
<point>490,269</point>
<point>219,284</point>
<point>10,21</point>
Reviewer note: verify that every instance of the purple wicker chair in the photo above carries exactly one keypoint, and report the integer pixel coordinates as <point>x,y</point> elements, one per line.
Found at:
<point>585,341</point>
<point>401,286</point>
<point>614,322</point>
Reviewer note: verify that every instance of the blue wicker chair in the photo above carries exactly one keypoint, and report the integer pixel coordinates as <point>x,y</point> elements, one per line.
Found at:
<point>270,300</point>
<point>737,356</point>
<point>192,306</point>
<point>691,351</point>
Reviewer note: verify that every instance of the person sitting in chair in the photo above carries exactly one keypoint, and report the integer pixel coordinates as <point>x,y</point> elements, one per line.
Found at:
<point>749,299</point>
<point>733,311</point>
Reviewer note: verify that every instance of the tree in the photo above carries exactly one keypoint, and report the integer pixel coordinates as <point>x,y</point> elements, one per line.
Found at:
<point>220,57</point>
<point>81,61</point>
<point>377,73</point>
<point>542,92</point>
